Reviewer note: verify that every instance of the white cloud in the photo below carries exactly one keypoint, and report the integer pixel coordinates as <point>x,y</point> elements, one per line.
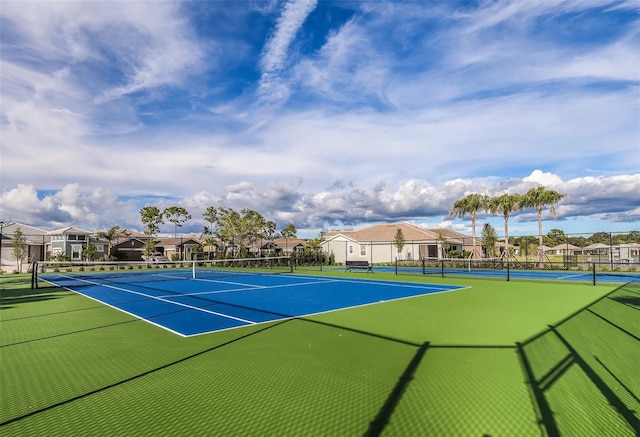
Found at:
<point>274,54</point>
<point>397,111</point>
<point>545,179</point>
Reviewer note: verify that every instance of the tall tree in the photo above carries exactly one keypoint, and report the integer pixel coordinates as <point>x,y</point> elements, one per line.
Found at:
<point>555,237</point>
<point>108,235</point>
<point>176,215</point>
<point>211,216</point>
<point>471,204</point>
<point>151,218</point>
<point>287,232</point>
<point>20,248</point>
<point>239,229</point>
<point>505,204</point>
<point>489,238</point>
<point>89,251</point>
<point>538,198</point>
<point>399,241</point>
<point>443,242</point>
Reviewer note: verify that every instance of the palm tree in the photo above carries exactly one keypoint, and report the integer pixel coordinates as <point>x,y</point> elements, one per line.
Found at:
<point>506,204</point>
<point>108,235</point>
<point>470,204</point>
<point>538,198</point>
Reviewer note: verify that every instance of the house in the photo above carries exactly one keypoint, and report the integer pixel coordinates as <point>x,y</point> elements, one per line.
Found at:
<point>133,248</point>
<point>283,246</point>
<point>376,244</point>
<point>35,239</point>
<point>565,249</point>
<point>71,242</point>
<point>501,246</point>
<point>597,249</point>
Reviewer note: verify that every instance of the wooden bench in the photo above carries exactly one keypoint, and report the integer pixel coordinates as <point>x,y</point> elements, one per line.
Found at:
<point>362,265</point>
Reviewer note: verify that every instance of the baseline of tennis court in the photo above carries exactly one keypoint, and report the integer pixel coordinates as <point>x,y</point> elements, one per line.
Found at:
<point>197,306</point>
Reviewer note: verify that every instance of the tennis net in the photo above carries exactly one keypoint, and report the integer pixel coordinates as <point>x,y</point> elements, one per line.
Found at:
<point>462,265</point>
<point>442,266</point>
<point>147,271</point>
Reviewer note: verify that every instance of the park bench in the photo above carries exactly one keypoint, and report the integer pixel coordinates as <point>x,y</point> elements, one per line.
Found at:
<point>363,265</point>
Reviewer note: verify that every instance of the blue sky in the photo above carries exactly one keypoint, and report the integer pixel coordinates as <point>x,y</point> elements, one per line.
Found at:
<point>325,114</point>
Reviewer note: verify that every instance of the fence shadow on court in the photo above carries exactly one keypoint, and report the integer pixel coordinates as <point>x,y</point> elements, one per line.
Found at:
<point>580,374</point>
<point>583,371</point>
<point>13,293</point>
<point>577,377</point>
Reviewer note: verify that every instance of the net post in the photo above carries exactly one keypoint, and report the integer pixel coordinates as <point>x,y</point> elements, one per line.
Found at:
<point>396,265</point>
<point>442,267</point>
<point>290,265</point>
<point>193,269</point>
<point>34,275</point>
<point>593,268</point>
<point>424,266</point>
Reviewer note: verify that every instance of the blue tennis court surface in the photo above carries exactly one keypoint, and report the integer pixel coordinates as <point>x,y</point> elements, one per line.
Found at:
<point>197,306</point>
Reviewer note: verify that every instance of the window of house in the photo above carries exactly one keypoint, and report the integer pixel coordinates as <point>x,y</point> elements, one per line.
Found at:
<point>363,250</point>
<point>100,247</point>
<point>76,252</point>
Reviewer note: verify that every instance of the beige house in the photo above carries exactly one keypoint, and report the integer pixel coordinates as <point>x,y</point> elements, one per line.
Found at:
<point>376,244</point>
<point>565,249</point>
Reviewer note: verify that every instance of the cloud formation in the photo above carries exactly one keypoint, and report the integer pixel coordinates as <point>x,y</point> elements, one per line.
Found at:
<point>323,114</point>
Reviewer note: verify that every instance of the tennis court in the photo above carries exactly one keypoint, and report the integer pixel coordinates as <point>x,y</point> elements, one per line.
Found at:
<point>329,353</point>
<point>497,269</point>
<point>188,305</point>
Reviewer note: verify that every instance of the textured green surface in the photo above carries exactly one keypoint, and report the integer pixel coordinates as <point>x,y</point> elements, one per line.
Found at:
<point>442,364</point>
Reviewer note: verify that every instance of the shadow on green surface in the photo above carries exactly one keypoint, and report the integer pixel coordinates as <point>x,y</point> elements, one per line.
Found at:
<point>580,375</point>
<point>9,298</point>
<point>581,372</point>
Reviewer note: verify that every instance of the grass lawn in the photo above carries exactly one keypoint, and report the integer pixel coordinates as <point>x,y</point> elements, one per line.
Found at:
<point>496,358</point>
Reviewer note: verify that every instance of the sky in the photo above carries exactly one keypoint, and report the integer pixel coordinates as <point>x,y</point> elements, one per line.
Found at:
<point>329,115</point>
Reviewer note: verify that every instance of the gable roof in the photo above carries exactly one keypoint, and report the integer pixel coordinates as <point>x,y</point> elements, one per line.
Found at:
<point>69,230</point>
<point>9,228</point>
<point>564,246</point>
<point>596,246</point>
<point>387,232</point>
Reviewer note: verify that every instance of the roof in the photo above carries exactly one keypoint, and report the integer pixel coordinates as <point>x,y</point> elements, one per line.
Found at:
<point>9,228</point>
<point>387,232</point>
<point>289,242</point>
<point>596,246</point>
<point>565,246</point>
<point>69,230</point>
<point>174,241</point>
<point>32,235</point>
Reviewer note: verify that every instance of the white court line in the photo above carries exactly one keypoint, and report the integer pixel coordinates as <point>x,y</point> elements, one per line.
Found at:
<point>314,280</point>
<point>299,316</point>
<point>251,322</point>
<point>261,287</point>
<point>575,275</point>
